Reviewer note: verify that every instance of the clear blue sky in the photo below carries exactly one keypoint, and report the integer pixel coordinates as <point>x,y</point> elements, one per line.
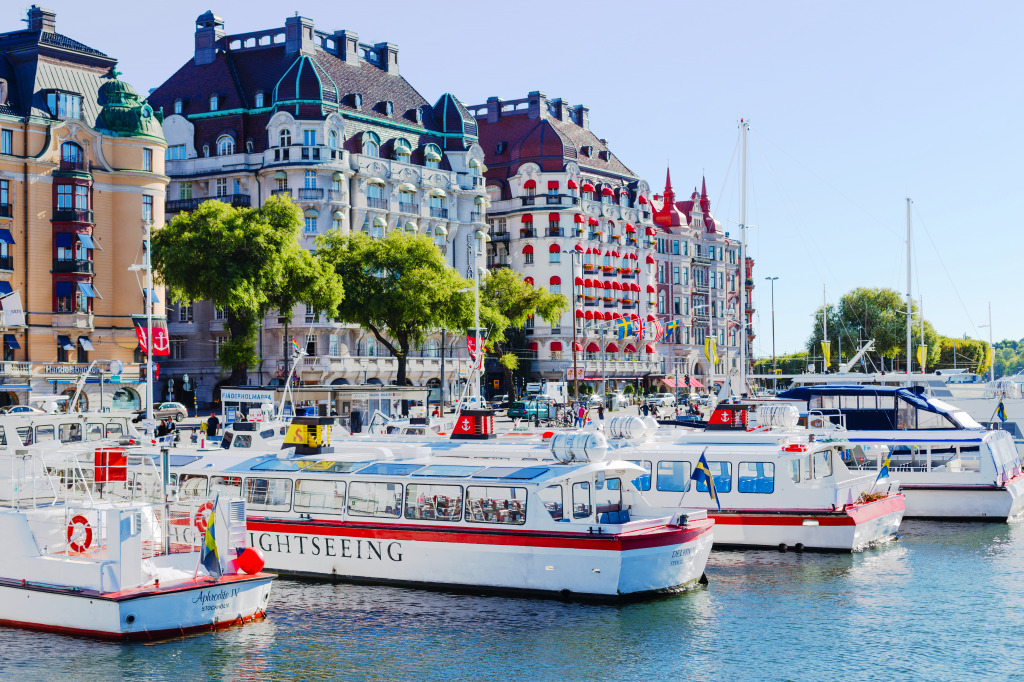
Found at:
<point>853,105</point>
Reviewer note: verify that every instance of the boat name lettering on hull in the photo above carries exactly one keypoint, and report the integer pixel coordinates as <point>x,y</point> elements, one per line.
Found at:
<point>213,601</point>
<point>318,545</point>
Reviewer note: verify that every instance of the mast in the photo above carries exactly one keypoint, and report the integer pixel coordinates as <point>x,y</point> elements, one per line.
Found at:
<point>824,327</point>
<point>910,319</point>
<point>744,127</point>
<point>149,322</point>
<point>920,311</point>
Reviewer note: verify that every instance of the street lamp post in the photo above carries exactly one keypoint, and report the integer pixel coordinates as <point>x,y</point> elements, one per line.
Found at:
<point>572,288</point>
<point>775,381</point>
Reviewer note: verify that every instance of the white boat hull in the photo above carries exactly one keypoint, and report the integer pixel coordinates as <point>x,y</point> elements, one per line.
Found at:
<point>850,530</point>
<point>601,566</point>
<point>965,502</point>
<point>136,614</point>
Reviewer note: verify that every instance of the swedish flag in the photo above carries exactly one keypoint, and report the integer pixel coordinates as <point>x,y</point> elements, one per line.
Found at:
<point>702,474</point>
<point>209,557</point>
<point>884,473</point>
<point>673,324</point>
<point>1001,411</point>
<point>625,328</point>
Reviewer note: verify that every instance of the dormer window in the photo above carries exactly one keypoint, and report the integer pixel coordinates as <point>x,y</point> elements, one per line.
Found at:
<point>501,147</point>
<point>259,100</point>
<point>587,150</point>
<point>419,116</point>
<point>177,106</point>
<point>225,145</point>
<point>403,150</point>
<point>389,108</point>
<point>332,139</point>
<point>371,144</point>
<point>64,104</point>
<point>286,138</point>
<point>214,102</point>
<point>357,101</point>
<point>432,156</point>
<point>206,150</point>
<point>3,91</point>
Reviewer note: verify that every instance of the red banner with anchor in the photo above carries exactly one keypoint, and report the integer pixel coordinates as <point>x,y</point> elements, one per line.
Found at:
<point>161,339</point>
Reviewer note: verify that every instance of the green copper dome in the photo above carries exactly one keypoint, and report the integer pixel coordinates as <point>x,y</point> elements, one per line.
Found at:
<point>124,113</point>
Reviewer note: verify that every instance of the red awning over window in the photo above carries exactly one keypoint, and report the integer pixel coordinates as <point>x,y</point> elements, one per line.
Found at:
<point>633,286</point>
<point>528,248</point>
<point>534,346</point>
<point>579,314</point>
<point>554,248</point>
<point>607,285</point>
<point>650,259</point>
<point>616,286</point>
<point>615,254</point>
<point>593,222</point>
<point>593,347</point>
<point>607,191</point>
<point>528,280</point>
<point>555,279</point>
<point>588,282</point>
<point>608,317</point>
<point>528,218</point>
<point>553,184</point>
<point>632,256</point>
<point>612,348</point>
<point>650,232</point>
<point>556,345</point>
<point>630,228</point>
<point>579,247</point>
<point>630,348</point>
<point>577,218</point>
<point>651,318</point>
<point>589,315</point>
<point>553,217</point>
<point>642,199</point>
<point>579,281</point>
<point>578,347</point>
<point>573,184</point>
<point>616,316</point>
<point>530,184</point>
<point>650,289</point>
<point>649,348</point>
<point>587,187</point>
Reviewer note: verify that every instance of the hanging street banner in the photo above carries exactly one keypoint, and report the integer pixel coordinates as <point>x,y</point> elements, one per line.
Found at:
<point>161,339</point>
<point>14,313</point>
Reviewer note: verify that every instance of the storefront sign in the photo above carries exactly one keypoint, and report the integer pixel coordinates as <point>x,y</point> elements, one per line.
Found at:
<point>241,395</point>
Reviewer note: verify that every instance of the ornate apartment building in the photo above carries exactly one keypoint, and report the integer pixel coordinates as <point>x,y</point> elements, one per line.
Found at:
<point>700,285</point>
<point>328,121</point>
<point>81,172</point>
<point>570,216</point>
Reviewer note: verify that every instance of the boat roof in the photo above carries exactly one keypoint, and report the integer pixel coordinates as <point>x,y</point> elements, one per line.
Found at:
<point>911,395</point>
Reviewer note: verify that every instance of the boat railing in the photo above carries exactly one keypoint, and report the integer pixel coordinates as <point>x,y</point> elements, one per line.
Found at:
<point>829,421</point>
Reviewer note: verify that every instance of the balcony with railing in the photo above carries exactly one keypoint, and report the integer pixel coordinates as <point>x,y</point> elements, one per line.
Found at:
<point>494,262</point>
<point>476,217</point>
<point>527,233</point>
<point>72,215</point>
<point>73,266</point>
<point>310,193</point>
<point>178,205</point>
<point>15,369</point>
<point>561,200</point>
<point>438,212</point>
<point>408,207</point>
<point>79,320</point>
<point>284,191</point>
<point>80,165</point>
<point>471,182</point>
<point>555,232</point>
<point>498,237</point>
<point>336,196</point>
<point>528,201</point>
<point>377,202</point>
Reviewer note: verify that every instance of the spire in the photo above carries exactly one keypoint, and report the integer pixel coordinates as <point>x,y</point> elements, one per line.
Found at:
<point>670,196</point>
<point>705,203</point>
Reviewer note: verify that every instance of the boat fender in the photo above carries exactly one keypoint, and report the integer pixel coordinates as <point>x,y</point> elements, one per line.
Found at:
<point>79,520</point>
<point>250,561</point>
<point>783,547</point>
<point>799,547</point>
<point>202,517</point>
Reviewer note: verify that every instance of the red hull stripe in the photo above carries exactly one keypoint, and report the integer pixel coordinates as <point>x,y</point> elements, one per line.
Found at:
<point>653,537</point>
<point>143,636</point>
<point>852,516</point>
<point>138,592</point>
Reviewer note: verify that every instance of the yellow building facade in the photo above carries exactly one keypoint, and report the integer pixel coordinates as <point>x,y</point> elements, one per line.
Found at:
<point>81,173</point>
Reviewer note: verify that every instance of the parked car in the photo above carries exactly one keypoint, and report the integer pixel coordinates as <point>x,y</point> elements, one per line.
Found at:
<point>661,400</point>
<point>616,401</point>
<point>500,402</point>
<point>593,401</point>
<point>21,409</point>
<point>528,409</point>
<point>175,411</point>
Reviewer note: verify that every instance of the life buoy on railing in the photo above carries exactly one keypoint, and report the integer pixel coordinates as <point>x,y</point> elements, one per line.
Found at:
<point>201,517</point>
<point>73,532</point>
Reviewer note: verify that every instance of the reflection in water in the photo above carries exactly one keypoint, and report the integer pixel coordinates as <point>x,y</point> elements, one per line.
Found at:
<point>944,602</point>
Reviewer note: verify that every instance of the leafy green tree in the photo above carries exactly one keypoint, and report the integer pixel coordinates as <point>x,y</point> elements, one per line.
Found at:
<point>245,261</point>
<point>872,313</point>
<point>399,288</point>
<point>971,354</point>
<point>506,302</point>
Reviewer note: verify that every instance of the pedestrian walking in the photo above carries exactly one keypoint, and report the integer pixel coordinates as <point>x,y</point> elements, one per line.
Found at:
<point>580,416</point>
<point>212,424</point>
<point>600,411</point>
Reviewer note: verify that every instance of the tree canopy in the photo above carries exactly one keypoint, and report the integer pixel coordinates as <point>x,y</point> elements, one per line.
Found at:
<point>398,287</point>
<point>245,261</point>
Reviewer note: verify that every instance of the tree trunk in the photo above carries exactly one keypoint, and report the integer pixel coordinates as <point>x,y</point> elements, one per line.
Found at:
<point>239,373</point>
<point>403,360</point>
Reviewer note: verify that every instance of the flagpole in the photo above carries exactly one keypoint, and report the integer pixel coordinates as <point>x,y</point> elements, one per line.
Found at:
<point>149,323</point>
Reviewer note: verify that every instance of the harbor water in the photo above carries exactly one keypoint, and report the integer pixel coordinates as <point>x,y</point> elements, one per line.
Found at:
<point>943,602</point>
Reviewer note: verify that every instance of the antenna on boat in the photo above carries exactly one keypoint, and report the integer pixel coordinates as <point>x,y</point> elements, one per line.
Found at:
<point>910,301</point>
<point>745,128</point>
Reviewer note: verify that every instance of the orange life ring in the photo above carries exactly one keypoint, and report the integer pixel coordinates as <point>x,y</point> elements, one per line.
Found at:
<point>201,518</point>
<point>76,521</point>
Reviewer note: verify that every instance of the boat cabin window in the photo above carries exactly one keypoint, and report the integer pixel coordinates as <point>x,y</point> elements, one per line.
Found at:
<point>268,493</point>
<point>581,508</point>
<point>755,477</point>
<point>794,469</point>
<point>192,485</point>
<point>25,434</point>
<point>44,433</point>
<point>323,497</point>
<point>242,440</point>
<point>722,472</point>
<point>608,495</point>
<point>822,463</point>
<point>643,481</point>
<point>114,430</point>
<point>433,502</point>
<point>496,504</point>
<point>909,416</point>
<point>673,476</point>
<point>3,436</point>
<point>269,433</point>
<point>94,432</point>
<point>552,499</point>
<point>225,442</point>
<point>805,468</point>
<point>70,433</point>
<point>226,485</point>
<point>375,499</point>
<point>329,467</point>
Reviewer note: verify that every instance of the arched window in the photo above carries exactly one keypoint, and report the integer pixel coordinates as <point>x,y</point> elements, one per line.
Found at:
<point>432,156</point>
<point>403,150</point>
<point>259,99</point>
<point>371,144</point>
<point>214,102</point>
<point>286,138</point>
<point>494,192</point>
<point>624,198</point>
<point>554,253</point>
<point>248,146</point>
<point>71,153</point>
<point>332,139</point>
<point>177,106</point>
<point>225,145</point>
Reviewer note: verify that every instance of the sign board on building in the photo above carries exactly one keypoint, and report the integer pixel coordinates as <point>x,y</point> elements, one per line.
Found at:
<point>230,414</point>
<point>244,395</point>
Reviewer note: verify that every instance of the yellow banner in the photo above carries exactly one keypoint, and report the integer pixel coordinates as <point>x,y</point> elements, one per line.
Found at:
<point>989,356</point>
<point>826,349</point>
<point>711,351</point>
<point>922,355</point>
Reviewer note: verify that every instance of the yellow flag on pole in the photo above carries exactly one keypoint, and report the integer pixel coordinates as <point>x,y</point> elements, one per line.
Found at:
<point>826,348</point>
<point>922,355</point>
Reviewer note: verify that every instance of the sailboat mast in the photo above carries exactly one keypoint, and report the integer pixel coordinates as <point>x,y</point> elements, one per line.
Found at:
<point>824,327</point>
<point>910,319</point>
<point>744,127</point>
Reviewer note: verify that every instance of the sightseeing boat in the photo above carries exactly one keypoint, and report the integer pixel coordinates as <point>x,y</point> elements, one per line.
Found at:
<point>948,465</point>
<point>119,569</point>
<point>571,527</point>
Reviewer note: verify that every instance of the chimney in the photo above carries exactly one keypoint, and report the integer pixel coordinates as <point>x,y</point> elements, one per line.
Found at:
<point>298,35</point>
<point>538,104</point>
<point>493,109</point>
<point>348,46</point>
<point>209,31</point>
<point>582,112</point>
<point>562,109</point>
<point>40,19</point>
<point>387,54</point>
